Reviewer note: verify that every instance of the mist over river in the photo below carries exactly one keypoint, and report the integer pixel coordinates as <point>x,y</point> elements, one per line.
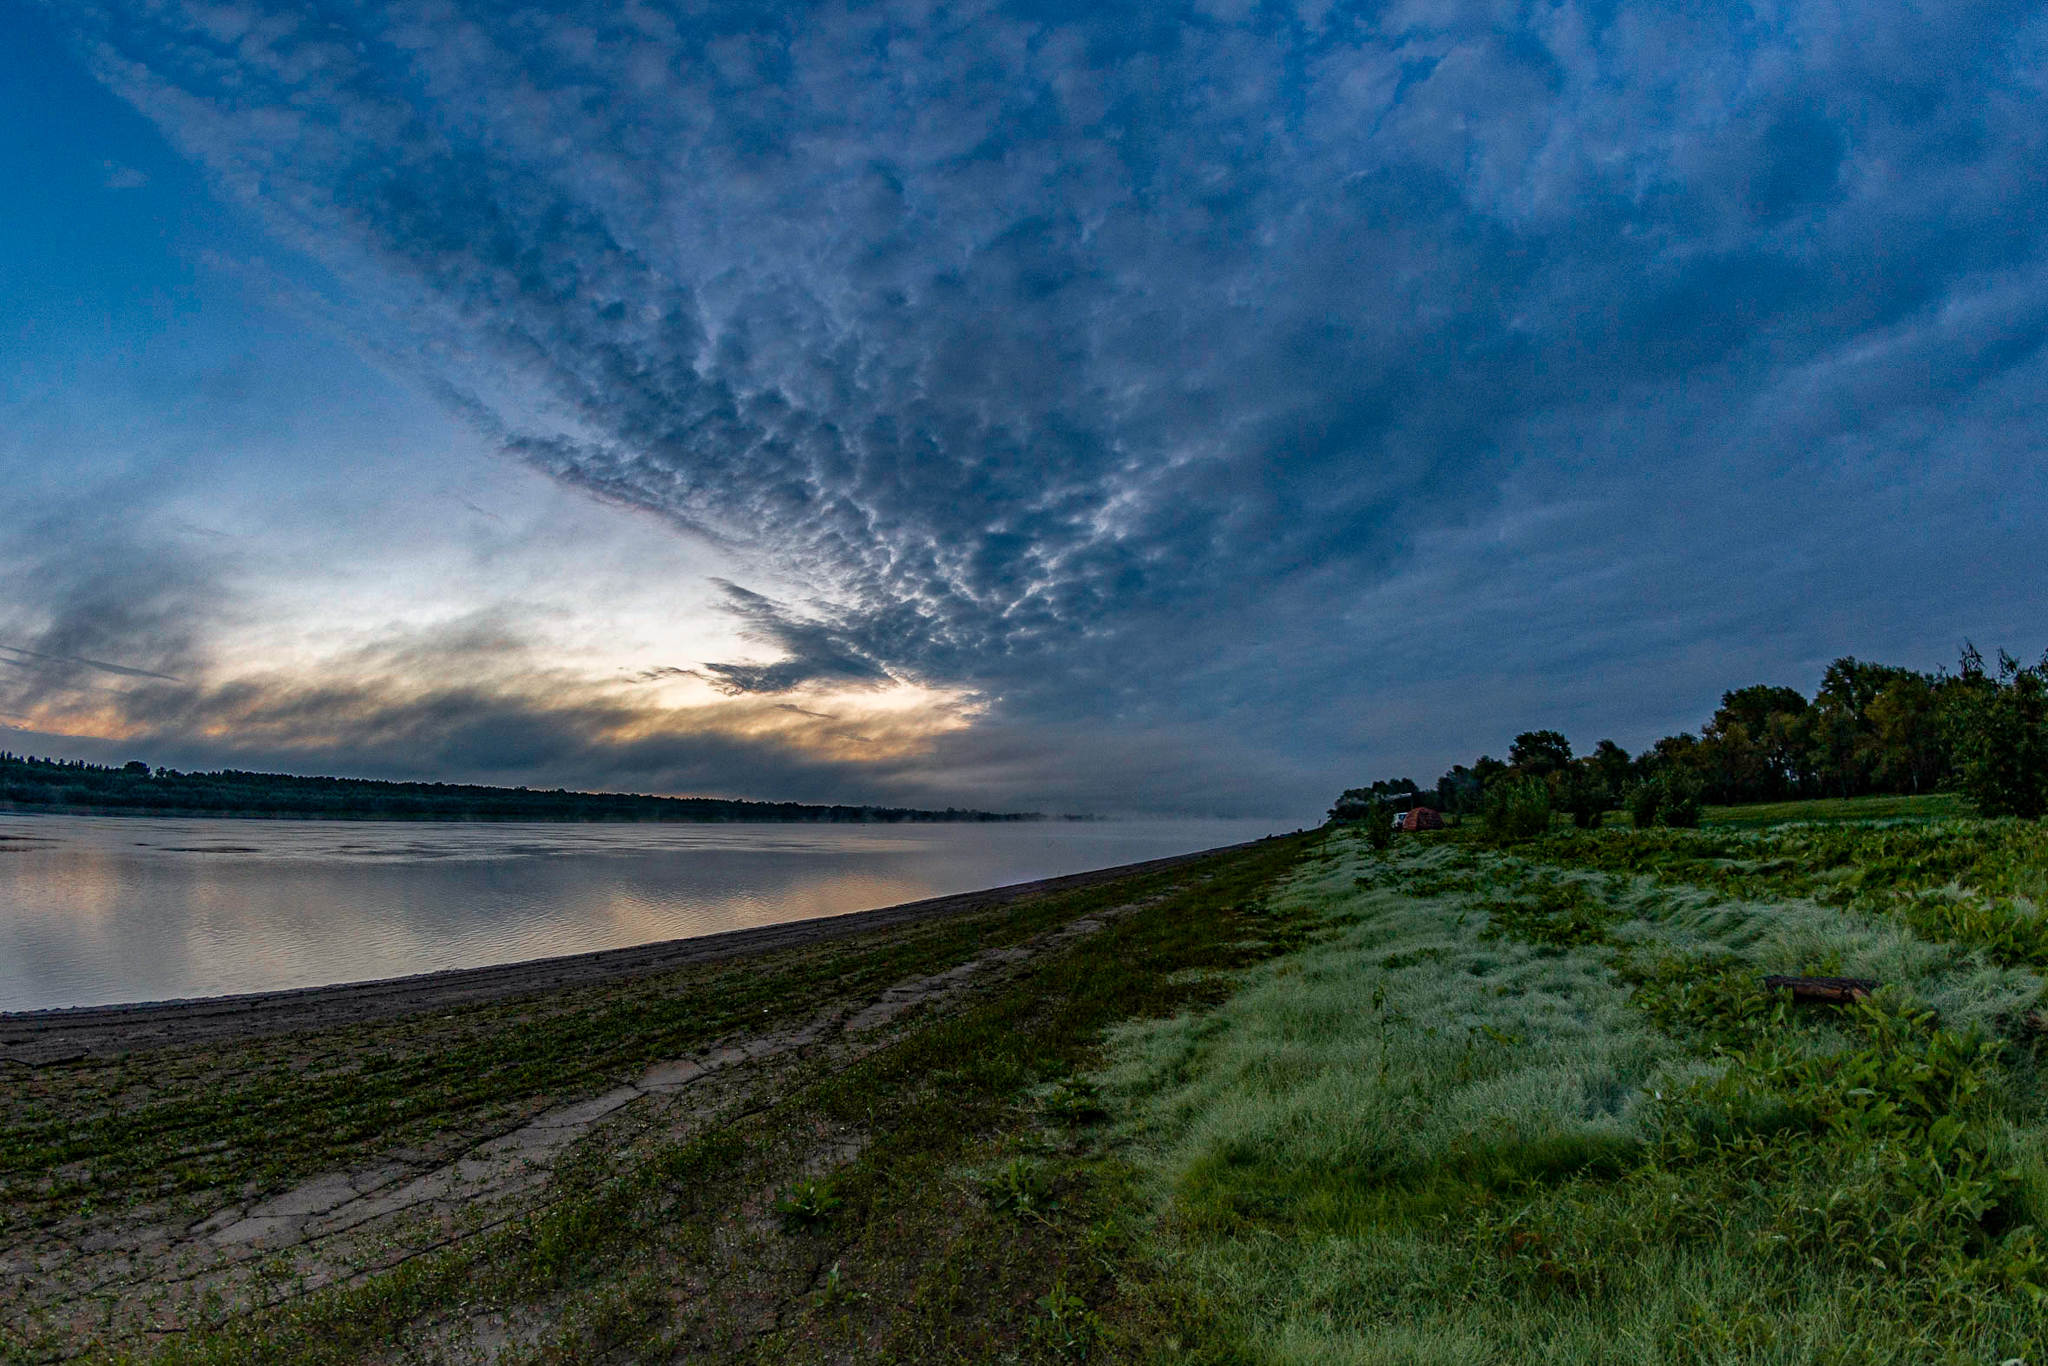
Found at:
<point>102,909</point>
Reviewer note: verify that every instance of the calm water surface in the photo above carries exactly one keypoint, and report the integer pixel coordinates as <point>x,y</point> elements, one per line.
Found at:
<point>100,909</point>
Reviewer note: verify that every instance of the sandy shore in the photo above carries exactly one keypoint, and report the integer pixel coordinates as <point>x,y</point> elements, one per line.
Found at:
<point>40,1037</point>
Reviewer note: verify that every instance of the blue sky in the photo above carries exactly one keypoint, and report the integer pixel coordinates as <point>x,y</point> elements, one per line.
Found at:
<point>1161,408</point>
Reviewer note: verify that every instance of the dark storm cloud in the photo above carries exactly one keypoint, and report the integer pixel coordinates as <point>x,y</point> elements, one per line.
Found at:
<point>813,651</point>
<point>91,583</point>
<point>1134,360</point>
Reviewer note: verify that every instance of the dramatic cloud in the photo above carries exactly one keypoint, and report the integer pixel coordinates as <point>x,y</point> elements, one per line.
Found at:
<point>1218,370</point>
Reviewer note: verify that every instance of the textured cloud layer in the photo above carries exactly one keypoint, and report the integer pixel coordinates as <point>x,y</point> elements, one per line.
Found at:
<point>1177,363</point>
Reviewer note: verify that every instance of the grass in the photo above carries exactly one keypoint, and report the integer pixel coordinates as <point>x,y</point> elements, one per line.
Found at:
<point>1930,806</point>
<point>1533,1105</point>
<point>1463,1101</point>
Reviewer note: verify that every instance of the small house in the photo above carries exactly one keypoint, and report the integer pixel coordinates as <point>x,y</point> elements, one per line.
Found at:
<point>1422,818</point>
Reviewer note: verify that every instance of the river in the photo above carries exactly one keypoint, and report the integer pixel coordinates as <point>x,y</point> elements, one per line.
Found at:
<point>96,910</point>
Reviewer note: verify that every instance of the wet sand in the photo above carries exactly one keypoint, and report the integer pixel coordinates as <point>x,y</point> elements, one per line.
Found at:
<point>40,1037</point>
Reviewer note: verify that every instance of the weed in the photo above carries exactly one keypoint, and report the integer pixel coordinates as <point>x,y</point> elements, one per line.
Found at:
<point>835,1291</point>
<point>1065,1324</point>
<point>807,1207</point>
<point>1562,915</point>
<point>1075,1101</point>
<point>1020,1187</point>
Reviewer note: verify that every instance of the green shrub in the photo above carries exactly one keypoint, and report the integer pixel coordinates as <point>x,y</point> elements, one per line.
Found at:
<point>1681,805</point>
<point>1671,799</point>
<point>1379,824</point>
<point>1998,732</point>
<point>1583,794</point>
<point>1517,810</point>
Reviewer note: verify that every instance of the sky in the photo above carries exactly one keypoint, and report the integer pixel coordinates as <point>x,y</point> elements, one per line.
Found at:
<point>1156,408</point>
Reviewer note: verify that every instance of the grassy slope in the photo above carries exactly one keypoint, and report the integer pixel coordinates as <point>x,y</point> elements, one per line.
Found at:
<point>1931,806</point>
<point>1534,1106</point>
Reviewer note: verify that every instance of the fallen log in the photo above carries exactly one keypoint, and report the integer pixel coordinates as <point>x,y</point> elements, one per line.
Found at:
<point>1831,990</point>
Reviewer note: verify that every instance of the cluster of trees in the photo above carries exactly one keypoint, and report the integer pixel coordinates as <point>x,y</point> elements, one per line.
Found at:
<point>1869,729</point>
<point>59,784</point>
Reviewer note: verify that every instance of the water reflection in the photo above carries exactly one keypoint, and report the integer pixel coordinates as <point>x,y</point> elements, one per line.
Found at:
<point>101,909</point>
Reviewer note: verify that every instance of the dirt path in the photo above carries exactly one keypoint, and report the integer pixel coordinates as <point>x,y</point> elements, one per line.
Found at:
<point>36,1038</point>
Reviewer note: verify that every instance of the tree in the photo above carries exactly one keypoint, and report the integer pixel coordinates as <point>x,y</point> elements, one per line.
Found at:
<point>1355,804</point>
<point>1399,791</point>
<point>1673,751</point>
<point>1458,791</point>
<point>1680,807</point>
<point>1731,764</point>
<point>1617,770</point>
<point>1787,742</point>
<point>1740,758</point>
<point>1906,732</point>
<point>1845,748</point>
<point>1580,790</point>
<point>1997,730</point>
<point>1539,753</point>
<point>1755,705</point>
<point>1517,809</point>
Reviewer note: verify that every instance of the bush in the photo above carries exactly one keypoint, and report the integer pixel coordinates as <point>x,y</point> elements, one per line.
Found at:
<point>1681,805</point>
<point>1379,824</point>
<point>1671,799</point>
<point>1998,732</point>
<point>1517,810</point>
<point>1583,794</point>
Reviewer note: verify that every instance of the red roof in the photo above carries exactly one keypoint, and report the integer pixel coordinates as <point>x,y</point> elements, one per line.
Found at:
<point>1422,818</point>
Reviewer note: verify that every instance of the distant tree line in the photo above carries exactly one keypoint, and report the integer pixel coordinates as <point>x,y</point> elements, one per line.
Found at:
<point>1870,729</point>
<point>135,788</point>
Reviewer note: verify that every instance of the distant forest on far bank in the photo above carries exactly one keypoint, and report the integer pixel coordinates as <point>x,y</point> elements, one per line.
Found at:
<point>76,787</point>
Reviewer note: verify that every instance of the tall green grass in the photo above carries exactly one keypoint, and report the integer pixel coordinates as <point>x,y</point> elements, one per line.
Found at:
<point>1529,1108</point>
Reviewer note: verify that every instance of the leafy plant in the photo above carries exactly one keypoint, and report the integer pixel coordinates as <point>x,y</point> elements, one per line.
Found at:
<point>1021,1187</point>
<point>807,1206</point>
<point>1066,1324</point>
<point>1563,915</point>
<point>835,1290</point>
<point>1074,1101</point>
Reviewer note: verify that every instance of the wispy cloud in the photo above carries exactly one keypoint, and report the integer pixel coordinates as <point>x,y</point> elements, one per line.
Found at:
<point>119,177</point>
<point>31,658</point>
